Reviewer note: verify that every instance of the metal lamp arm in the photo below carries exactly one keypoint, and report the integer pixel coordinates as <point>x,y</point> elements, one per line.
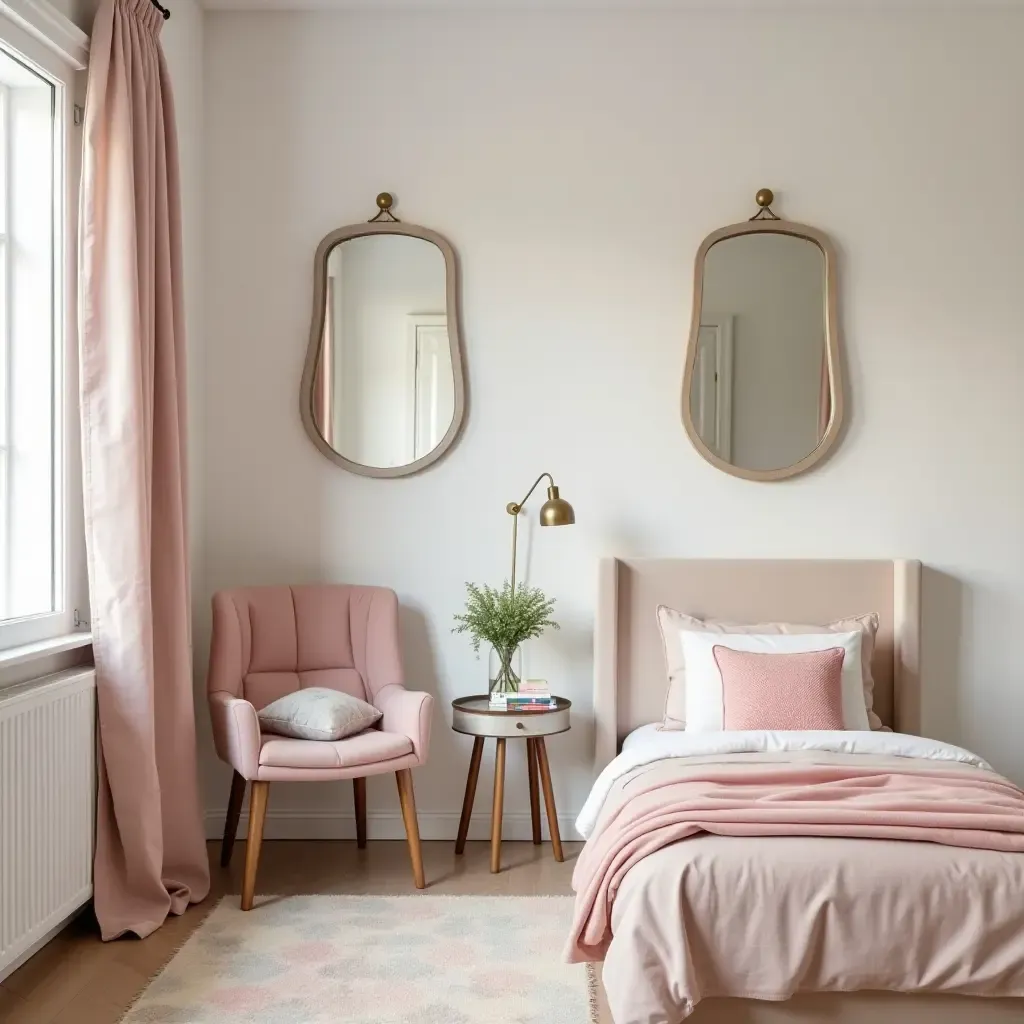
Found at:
<point>513,509</point>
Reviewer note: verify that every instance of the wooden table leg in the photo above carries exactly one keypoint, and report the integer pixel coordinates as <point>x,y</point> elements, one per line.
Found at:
<point>549,797</point>
<point>531,764</point>
<point>496,810</point>
<point>467,801</point>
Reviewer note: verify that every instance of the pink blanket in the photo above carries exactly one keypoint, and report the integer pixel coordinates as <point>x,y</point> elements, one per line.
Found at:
<point>656,808</point>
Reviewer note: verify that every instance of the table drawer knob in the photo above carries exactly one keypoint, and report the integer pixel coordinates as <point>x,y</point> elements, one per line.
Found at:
<point>520,725</point>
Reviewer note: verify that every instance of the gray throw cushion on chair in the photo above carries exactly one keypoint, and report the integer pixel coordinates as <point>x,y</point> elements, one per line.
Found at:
<point>318,713</point>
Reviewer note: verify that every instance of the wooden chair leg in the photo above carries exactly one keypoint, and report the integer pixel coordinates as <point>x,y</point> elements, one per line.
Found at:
<point>531,764</point>
<point>359,786</point>
<point>258,793</point>
<point>498,806</point>
<point>549,797</point>
<point>231,821</point>
<point>467,800</point>
<point>412,829</point>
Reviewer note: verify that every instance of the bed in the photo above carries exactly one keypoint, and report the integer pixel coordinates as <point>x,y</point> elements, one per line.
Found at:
<point>629,693</point>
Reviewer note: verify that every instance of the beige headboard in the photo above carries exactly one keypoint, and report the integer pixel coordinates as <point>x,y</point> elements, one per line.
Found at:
<point>630,677</point>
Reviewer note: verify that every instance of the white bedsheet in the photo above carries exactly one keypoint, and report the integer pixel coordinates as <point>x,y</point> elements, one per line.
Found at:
<point>649,744</point>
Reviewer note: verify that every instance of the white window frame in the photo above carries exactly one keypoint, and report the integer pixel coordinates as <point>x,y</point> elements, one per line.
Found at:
<point>35,34</point>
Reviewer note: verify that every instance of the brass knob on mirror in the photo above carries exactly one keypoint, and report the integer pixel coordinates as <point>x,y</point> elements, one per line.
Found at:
<point>764,198</point>
<point>385,200</point>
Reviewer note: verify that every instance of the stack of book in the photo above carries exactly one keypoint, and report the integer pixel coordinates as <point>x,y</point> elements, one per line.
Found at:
<point>533,695</point>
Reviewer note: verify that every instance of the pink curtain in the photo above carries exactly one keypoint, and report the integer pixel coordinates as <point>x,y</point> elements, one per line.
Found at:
<point>150,850</point>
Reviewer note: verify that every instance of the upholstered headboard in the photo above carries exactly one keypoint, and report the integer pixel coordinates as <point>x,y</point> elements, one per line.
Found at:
<point>630,677</point>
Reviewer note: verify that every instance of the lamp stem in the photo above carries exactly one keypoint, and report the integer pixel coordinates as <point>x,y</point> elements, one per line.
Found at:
<point>513,510</point>
<point>515,535</point>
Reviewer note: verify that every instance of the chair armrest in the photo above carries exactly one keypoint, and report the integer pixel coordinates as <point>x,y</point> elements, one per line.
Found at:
<point>236,732</point>
<point>408,713</point>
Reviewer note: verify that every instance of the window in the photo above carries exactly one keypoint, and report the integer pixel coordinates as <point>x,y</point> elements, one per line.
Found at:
<point>41,535</point>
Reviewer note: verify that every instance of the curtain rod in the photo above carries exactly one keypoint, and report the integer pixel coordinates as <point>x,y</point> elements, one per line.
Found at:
<point>160,7</point>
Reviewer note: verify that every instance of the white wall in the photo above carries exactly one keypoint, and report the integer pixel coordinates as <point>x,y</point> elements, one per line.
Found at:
<point>575,162</point>
<point>80,12</point>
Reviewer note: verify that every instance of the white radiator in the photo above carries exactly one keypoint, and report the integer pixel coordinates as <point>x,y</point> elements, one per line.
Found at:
<point>47,808</point>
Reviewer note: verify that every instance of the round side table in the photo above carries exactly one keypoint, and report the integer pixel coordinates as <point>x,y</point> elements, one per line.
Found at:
<point>474,717</point>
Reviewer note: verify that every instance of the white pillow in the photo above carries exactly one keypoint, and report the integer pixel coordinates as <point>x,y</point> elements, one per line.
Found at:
<point>704,694</point>
<point>671,622</point>
<point>318,713</point>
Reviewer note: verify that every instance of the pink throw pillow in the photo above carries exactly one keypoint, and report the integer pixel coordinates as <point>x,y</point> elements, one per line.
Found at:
<point>781,691</point>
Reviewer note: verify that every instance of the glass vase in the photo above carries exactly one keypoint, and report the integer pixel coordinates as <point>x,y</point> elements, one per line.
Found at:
<point>505,669</point>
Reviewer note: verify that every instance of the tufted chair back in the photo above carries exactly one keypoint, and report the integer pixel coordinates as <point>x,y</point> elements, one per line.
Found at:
<point>270,641</point>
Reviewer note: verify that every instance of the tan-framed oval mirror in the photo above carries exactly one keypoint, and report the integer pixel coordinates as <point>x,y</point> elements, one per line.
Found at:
<point>383,387</point>
<point>763,380</point>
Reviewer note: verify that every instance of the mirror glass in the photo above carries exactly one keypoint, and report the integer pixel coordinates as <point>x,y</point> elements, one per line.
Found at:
<point>383,384</point>
<point>760,389</point>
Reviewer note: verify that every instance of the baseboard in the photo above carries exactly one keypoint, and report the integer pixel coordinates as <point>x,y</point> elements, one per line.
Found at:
<point>304,824</point>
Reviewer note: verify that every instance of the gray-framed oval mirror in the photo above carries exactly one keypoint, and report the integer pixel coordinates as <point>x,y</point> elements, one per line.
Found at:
<point>383,390</point>
<point>763,380</point>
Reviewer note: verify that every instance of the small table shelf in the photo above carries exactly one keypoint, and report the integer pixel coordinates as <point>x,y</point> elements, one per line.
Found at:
<point>474,717</point>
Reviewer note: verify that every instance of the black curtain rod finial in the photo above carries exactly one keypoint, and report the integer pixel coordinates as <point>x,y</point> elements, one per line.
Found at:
<point>160,7</point>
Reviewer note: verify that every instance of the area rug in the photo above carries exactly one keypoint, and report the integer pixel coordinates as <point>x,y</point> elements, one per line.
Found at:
<point>416,959</point>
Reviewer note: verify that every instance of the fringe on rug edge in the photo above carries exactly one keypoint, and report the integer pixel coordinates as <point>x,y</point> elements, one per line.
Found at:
<point>592,1004</point>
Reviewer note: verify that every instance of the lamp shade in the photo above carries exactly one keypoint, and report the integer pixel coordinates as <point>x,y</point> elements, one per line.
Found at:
<point>556,511</point>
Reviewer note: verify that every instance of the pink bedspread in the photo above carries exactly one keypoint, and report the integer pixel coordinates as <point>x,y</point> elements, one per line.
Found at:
<point>951,806</point>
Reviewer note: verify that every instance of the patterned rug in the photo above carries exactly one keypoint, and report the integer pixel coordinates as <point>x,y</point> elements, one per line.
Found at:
<point>374,960</point>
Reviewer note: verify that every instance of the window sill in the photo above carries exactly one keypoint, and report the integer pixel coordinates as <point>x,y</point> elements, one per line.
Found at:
<point>43,648</point>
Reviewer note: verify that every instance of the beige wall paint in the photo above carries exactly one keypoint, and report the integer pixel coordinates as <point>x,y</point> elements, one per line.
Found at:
<point>576,161</point>
<point>81,12</point>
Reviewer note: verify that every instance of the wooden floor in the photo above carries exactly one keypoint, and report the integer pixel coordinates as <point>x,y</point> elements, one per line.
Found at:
<point>77,979</point>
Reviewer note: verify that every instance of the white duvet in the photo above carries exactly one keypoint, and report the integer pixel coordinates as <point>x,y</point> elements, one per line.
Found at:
<point>649,744</point>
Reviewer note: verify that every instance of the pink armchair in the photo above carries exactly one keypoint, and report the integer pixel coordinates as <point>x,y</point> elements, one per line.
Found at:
<point>270,641</point>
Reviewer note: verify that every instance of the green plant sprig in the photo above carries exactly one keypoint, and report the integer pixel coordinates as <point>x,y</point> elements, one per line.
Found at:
<point>502,618</point>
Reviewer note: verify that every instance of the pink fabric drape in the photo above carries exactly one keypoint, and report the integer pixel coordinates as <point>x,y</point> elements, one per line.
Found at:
<point>150,850</point>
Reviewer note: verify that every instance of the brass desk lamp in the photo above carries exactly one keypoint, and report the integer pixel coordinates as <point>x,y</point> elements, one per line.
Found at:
<point>555,511</point>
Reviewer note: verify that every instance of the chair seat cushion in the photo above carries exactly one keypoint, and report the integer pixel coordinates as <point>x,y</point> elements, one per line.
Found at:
<point>368,747</point>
